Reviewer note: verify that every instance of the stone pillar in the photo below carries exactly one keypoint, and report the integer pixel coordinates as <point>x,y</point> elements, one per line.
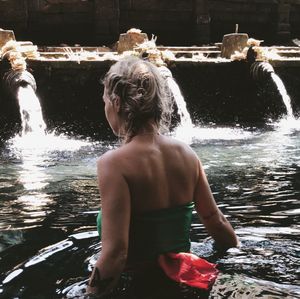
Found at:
<point>283,25</point>
<point>107,14</point>
<point>202,21</point>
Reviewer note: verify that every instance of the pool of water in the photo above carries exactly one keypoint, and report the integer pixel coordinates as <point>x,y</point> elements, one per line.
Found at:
<point>49,201</point>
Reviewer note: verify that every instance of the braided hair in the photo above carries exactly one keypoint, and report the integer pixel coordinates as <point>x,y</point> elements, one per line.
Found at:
<point>143,92</point>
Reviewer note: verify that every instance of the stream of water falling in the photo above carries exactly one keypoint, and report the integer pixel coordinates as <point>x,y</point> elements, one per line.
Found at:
<point>34,138</point>
<point>185,118</point>
<point>285,97</point>
<point>30,111</point>
<point>185,127</point>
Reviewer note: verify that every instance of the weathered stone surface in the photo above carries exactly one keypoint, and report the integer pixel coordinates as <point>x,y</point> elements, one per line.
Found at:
<point>13,4</point>
<point>284,13</point>
<point>163,16</point>
<point>284,27</point>
<point>233,42</point>
<point>202,21</point>
<point>129,40</point>
<point>5,36</point>
<point>106,18</point>
<point>158,5</point>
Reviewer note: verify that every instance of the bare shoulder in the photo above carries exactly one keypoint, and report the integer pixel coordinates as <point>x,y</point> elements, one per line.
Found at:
<point>110,158</point>
<point>181,147</point>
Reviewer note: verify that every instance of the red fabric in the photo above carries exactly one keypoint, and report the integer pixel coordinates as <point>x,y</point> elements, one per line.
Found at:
<point>189,269</point>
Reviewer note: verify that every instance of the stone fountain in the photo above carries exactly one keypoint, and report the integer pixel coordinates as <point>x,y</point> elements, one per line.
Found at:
<point>217,87</point>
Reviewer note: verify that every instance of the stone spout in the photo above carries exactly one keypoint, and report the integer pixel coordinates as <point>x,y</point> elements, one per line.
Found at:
<point>261,71</point>
<point>15,79</point>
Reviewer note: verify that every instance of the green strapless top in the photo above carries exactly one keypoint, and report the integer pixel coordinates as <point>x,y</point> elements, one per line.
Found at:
<point>159,231</point>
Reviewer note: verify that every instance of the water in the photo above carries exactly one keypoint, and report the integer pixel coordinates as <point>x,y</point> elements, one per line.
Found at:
<point>30,111</point>
<point>285,97</point>
<point>49,200</point>
<point>185,118</point>
<point>185,125</point>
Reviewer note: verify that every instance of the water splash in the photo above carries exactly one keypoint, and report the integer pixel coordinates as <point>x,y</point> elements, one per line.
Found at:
<point>31,112</point>
<point>189,133</point>
<point>186,131</point>
<point>200,134</point>
<point>286,125</point>
<point>34,144</point>
<point>34,138</point>
<point>285,97</point>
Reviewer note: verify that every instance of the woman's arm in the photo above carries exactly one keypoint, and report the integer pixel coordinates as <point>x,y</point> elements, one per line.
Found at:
<point>213,219</point>
<point>115,206</point>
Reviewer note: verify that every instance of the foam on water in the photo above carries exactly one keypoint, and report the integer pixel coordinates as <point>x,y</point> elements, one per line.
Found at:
<point>286,125</point>
<point>33,138</point>
<point>196,134</point>
<point>187,132</point>
<point>34,141</point>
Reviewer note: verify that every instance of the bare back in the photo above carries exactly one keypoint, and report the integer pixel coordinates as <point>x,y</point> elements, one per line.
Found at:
<point>160,172</point>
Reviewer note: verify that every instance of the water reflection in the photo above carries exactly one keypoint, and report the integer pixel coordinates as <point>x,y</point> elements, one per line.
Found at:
<point>241,286</point>
<point>35,170</point>
<point>49,197</point>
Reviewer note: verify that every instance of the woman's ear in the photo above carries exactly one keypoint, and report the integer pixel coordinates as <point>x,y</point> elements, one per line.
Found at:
<point>117,103</point>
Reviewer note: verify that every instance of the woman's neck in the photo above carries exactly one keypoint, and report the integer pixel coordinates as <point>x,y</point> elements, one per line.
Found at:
<point>148,130</point>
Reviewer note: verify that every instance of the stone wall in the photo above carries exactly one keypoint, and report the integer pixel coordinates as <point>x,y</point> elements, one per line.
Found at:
<point>294,17</point>
<point>14,15</point>
<point>159,17</point>
<point>55,22</point>
<point>258,18</point>
<point>175,22</point>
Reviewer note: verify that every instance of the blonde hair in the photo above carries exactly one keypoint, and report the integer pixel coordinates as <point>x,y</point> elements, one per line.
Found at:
<point>143,92</point>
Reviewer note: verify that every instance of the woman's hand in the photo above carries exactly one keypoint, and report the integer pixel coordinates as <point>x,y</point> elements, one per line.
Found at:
<point>98,286</point>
